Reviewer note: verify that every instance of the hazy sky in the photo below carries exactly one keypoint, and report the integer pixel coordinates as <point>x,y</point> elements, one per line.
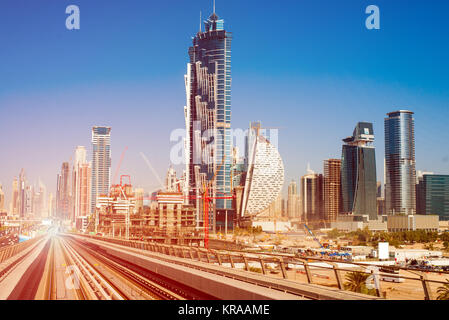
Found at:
<point>309,68</point>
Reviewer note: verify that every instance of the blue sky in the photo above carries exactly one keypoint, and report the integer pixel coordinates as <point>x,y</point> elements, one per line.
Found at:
<point>309,68</point>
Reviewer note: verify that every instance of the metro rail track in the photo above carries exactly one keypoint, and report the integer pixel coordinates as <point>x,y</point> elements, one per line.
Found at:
<point>144,285</point>
<point>163,288</point>
<point>94,283</point>
<point>13,264</point>
<point>81,293</point>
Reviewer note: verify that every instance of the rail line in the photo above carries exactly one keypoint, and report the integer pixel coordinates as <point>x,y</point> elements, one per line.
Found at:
<point>99,285</point>
<point>166,289</point>
<point>13,264</point>
<point>144,285</point>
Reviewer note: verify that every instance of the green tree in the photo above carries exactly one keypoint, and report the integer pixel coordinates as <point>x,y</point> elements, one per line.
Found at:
<point>443,291</point>
<point>333,234</point>
<point>444,236</point>
<point>446,245</point>
<point>356,281</point>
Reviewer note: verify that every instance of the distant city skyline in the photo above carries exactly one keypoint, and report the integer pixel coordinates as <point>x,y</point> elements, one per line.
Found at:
<point>314,91</point>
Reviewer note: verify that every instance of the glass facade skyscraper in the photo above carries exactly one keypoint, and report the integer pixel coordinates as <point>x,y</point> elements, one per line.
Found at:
<point>358,172</point>
<point>400,192</point>
<point>101,163</point>
<point>312,197</point>
<point>433,195</point>
<point>208,112</point>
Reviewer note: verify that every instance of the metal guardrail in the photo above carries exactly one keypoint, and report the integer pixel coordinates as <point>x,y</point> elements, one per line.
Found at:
<point>281,262</point>
<point>10,251</point>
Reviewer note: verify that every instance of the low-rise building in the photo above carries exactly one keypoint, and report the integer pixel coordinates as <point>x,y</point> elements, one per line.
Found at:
<point>350,223</point>
<point>398,223</point>
<point>443,226</point>
<point>409,254</point>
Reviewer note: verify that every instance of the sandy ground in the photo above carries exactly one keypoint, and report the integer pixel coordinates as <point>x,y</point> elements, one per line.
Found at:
<point>407,290</point>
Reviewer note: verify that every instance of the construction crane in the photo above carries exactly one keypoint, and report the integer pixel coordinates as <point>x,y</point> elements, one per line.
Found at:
<point>313,235</point>
<point>119,165</point>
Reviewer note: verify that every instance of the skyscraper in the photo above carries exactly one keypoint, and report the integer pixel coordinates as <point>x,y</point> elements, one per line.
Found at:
<point>63,193</point>
<point>400,193</point>
<point>101,163</point>
<point>358,172</point>
<point>15,198</point>
<point>208,111</point>
<point>22,193</point>
<point>265,176</point>
<point>2,199</point>
<point>312,197</point>
<point>332,189</point>
<point>51,205</point>
<point>292,201</point>
<point>433,195</point>
<point>81,182</point>
<point>420,191</point>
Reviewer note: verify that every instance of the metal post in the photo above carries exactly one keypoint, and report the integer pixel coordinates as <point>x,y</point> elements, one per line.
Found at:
<point>226,225</point>
<point>426,287</point>
<point>376,282</point>
<point>337,276</point>
<point>245,260</point>
<point>282,265</point>
<point>262,265</point>
<point>218,257</point>
<point>232,261</point>
<point>307,269</point>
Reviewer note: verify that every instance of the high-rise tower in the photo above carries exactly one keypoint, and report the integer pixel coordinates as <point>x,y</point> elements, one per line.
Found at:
<point>81,181</point>
<point>22,193</point>
<point>15,198</point>
<point>332,189</point>
<point>292,201</point>
<point>400,192</point>
<point>358,172</point>
<point>312,197</point>
<point>208,147</point>
<point>63,192</point>
<point>101,163</point>
<point>2,199</point>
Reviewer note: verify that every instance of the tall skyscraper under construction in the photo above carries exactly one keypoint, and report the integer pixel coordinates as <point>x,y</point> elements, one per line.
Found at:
<point>332,189</point>
<point>208,147</point>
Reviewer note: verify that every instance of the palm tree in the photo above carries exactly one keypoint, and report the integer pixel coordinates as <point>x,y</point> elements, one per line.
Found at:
<point>443,291</point>
<point>356,281</point>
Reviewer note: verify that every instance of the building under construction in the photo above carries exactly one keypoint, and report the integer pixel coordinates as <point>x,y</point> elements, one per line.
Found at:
<point>165,216</point>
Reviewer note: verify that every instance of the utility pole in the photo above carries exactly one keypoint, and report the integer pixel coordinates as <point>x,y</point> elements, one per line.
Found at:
<point>226,224</point>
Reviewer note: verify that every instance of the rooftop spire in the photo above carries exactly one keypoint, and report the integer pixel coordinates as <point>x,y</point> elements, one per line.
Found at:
<point>200,20</point>
<point>214,6</point>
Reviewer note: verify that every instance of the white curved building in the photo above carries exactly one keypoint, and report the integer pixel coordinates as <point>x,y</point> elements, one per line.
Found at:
<point>265,176</point>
